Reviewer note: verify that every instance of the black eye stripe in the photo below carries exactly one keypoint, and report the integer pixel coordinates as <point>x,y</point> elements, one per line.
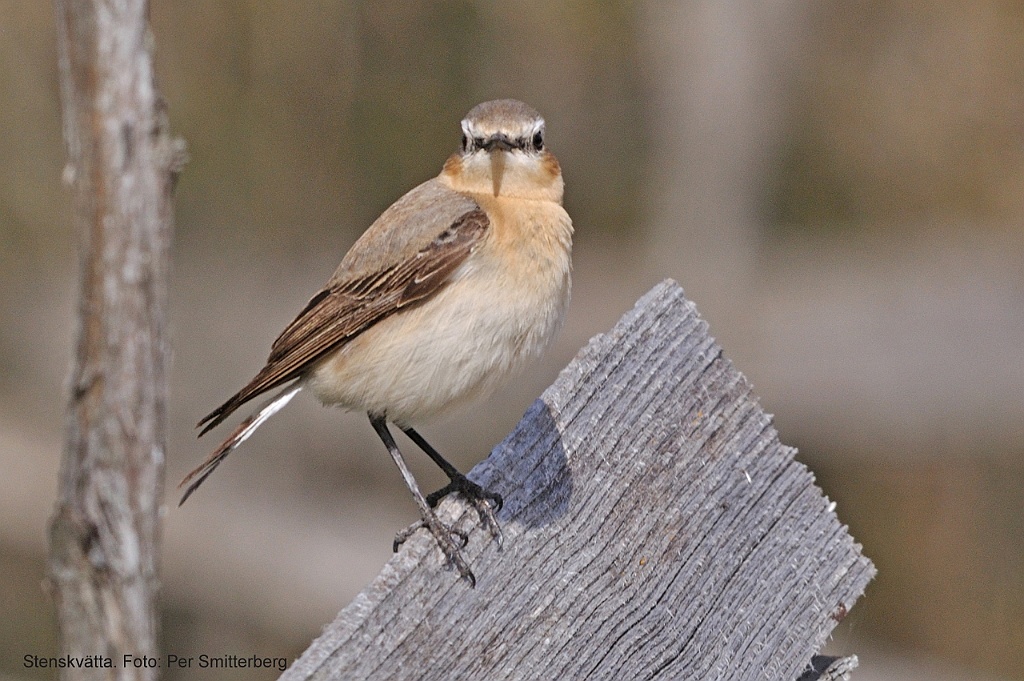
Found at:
<point>528,142</point>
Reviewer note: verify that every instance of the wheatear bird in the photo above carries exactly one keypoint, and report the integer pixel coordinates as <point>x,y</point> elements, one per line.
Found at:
<point>453,288</point>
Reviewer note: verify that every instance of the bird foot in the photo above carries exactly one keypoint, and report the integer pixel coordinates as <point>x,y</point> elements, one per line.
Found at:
<point>487,504</point>
<point>446,541</point>
<point>451,541</point>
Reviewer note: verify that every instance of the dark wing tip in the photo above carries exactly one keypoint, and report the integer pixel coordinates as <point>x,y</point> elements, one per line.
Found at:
<point>257,386</point>
<point>212,420</point>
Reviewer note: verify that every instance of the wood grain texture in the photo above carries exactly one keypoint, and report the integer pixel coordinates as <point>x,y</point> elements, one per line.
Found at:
<point>654,527</point>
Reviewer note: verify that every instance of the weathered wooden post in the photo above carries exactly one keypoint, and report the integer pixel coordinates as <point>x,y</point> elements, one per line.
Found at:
<point>654,527</point>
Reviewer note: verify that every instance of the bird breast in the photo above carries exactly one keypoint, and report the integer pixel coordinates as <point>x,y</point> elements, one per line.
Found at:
<point>501,308</point>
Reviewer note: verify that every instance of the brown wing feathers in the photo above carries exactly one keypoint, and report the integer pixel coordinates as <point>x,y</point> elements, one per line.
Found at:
<point>347,308</point>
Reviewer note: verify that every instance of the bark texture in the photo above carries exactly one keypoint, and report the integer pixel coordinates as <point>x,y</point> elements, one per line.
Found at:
<point>104,534</point>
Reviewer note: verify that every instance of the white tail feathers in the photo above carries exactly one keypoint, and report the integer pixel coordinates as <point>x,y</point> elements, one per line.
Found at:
<point>240,435</point>
<point>275,405</point>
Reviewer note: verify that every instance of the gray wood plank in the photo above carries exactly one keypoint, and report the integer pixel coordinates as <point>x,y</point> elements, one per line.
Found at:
<point>655,527</point>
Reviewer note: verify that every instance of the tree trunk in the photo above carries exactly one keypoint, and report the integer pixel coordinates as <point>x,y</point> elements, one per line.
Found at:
<point>105,531</point>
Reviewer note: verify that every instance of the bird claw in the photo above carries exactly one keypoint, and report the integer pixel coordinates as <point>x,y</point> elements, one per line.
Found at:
<point>450,540</point>
<point>487,504</point>
<point>444,536</point>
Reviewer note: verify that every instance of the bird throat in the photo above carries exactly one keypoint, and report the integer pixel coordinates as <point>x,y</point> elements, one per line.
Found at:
<point>497,170</point>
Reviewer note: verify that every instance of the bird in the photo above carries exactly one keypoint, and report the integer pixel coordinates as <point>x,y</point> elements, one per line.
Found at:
<point>452,290</point>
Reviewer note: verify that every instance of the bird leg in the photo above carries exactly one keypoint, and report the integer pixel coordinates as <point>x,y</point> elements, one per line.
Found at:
<point>442,534</point>
<point>486,503</point>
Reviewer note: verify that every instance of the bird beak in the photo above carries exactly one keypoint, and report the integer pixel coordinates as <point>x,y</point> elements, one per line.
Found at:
<point>498,142</point>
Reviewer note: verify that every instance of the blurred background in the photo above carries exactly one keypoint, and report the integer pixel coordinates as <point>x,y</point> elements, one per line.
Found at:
<point>839,186</point>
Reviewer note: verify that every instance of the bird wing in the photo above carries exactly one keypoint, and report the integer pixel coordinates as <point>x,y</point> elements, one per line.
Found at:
<point>375,280</point>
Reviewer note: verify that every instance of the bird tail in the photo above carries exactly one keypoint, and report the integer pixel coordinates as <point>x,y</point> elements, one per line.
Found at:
<point>237,437</point>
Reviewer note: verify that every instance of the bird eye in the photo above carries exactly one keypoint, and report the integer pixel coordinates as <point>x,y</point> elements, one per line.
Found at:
<point>538,141</point>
